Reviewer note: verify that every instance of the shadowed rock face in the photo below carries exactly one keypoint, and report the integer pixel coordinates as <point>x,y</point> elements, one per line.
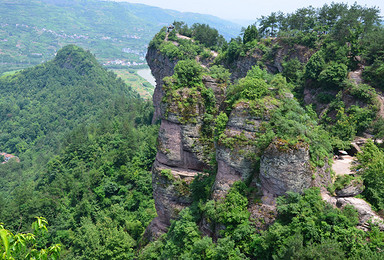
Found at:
<point>175,145</point>
<point>180,152</point>
<point>161,66</point>
<point>176,165</point>
<point>172,194</point>
<point>237,162</point>
<point>354,188</point>
<point>243,64</point>
<point>285,169</point>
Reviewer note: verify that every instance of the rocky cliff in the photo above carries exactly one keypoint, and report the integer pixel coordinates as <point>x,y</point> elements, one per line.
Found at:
<point>273,64</point>
<point>183,153</point>
<point>161,66</point>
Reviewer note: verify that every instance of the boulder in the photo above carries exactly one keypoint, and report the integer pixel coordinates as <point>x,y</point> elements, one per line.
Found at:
<point>354,188</point>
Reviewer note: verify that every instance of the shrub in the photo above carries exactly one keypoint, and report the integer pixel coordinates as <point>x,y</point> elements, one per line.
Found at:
<point>220,73</point>
<point>333,75</point>
<point>188,73</point>
<point>314,66</point>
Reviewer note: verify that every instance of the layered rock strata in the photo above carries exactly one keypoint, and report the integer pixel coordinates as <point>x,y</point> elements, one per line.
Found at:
<point>182,155</point>
<point>235,153</point>
<point>161,66</point>
<point>285,168</point>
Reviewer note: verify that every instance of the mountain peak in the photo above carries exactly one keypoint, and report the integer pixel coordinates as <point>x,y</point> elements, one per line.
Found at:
<point>74,57</point>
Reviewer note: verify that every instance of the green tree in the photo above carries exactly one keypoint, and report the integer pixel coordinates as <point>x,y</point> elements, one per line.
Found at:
<point>206,35</point>
<point>250,34</point>
<point>371,166</point>
<point>333,75</point>
<point>188,73</point>
<point>25,245</point>
<point>314,66</point>
<point>269,24</point>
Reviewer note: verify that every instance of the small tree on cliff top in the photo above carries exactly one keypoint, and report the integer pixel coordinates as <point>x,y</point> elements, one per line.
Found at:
<point>188,73</point>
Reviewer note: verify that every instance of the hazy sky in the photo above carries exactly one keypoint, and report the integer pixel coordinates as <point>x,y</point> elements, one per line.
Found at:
<point>245,9</point>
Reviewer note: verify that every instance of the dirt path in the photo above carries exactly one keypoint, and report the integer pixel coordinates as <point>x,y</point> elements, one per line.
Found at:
<point>381,100</point>
<point>183,37</point>
<point>342,167</point>
<point>356,76</point>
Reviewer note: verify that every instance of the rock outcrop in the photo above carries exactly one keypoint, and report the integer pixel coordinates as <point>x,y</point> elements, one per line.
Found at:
<point>161,66</point>
<point>183,154</point>
<point>235,153</point>
<point>366,214</point>
<point>352,189</point>
<point>172,194</point>
<point>284,53</point>
<point>178,161</point>
<point>285,167</point>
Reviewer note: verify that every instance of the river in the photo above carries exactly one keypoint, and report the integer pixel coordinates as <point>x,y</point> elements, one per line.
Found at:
<point>147,75</point>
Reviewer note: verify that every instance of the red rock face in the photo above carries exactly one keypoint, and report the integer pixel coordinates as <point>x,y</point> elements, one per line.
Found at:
<point>181,157</point>
<point>161,66</point>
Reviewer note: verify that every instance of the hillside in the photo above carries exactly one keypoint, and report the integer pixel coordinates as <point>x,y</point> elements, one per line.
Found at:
<point>117,33</point>
<point>85,145</point>
<point>39,105</point>
<point>249,131</point>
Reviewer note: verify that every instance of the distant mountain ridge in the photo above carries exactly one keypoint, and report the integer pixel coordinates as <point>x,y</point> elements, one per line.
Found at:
<point>116,32</point>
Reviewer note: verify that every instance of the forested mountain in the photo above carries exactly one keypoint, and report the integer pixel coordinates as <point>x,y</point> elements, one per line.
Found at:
<point>117,33</point>
<point>85,145</point>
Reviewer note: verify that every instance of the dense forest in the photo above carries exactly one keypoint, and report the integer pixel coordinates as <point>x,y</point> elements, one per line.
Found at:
<point>83,187</point>
<point>86,146</point>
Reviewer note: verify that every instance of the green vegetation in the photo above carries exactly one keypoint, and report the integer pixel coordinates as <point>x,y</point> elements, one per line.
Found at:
<point>370,167</point>
<point>27,245</point>
<point>114,31</point>
<point>340,39</point>
<point>334,39</point>
<point>307,228</point>
<point>75,91</point>
<point>85,157</point>
<point>186,94</point>
<point>86,144</point>
<point>137,83</point>
<point>269,97</point>
<point>198,40</point>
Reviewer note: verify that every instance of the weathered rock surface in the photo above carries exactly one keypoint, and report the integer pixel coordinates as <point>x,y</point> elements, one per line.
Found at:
<point>171,193</point>
<point>180,152</point>
<point>243,64</point>
<point>161,66</point>
<point>262,215</point>
<point>354,188</point>
<point>182,155</point>
<point>236,161</point>
<point>366,214</point>
<point>176,145</point>
<point>285,168</point>
<point>218,89</point>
